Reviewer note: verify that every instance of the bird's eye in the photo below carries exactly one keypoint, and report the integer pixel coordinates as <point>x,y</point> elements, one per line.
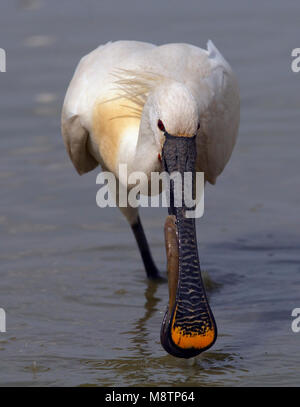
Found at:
<point>198,127</point>
<point>160,125</point>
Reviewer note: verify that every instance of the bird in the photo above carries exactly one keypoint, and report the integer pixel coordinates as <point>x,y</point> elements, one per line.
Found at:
<point>158,108</point>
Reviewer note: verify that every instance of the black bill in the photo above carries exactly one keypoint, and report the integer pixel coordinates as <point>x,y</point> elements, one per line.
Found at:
<point>188,326</point>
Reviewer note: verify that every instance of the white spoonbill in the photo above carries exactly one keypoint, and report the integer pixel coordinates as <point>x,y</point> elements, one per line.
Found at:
<point>173,107</point>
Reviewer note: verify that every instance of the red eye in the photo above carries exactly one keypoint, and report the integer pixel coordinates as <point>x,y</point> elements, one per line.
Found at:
<point>160,125</point>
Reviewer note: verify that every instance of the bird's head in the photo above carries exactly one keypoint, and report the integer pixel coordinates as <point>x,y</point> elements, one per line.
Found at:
<point>172,109</point>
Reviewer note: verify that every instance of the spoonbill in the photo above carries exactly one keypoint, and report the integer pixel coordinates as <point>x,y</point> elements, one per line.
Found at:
<point>173,107</point>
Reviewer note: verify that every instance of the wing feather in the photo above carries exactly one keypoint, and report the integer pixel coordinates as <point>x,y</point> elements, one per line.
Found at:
<point>76,139</point>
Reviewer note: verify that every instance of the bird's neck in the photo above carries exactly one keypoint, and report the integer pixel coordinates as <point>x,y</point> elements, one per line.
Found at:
<point>146,158</point>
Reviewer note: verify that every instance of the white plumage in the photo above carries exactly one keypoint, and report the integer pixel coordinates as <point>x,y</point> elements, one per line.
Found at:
<point>121,89</point>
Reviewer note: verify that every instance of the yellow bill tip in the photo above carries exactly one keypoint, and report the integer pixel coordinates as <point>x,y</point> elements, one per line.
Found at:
<point>192,339</point>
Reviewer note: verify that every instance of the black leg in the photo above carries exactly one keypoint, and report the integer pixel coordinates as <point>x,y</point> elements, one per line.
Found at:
<point>150,267</point>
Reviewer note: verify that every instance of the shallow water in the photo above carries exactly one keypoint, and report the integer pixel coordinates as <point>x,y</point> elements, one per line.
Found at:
<point>79,308</point>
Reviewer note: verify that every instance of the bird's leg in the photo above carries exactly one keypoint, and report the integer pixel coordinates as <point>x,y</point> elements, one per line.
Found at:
<point>133,218</point>
<point>150,267</point>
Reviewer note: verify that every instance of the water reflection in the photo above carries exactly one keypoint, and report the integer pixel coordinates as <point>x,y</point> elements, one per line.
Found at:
<point>148,368</point>
<point>140,338</point>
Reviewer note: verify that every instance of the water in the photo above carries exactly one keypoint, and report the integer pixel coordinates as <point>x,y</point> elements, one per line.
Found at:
<point>79,308</point>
